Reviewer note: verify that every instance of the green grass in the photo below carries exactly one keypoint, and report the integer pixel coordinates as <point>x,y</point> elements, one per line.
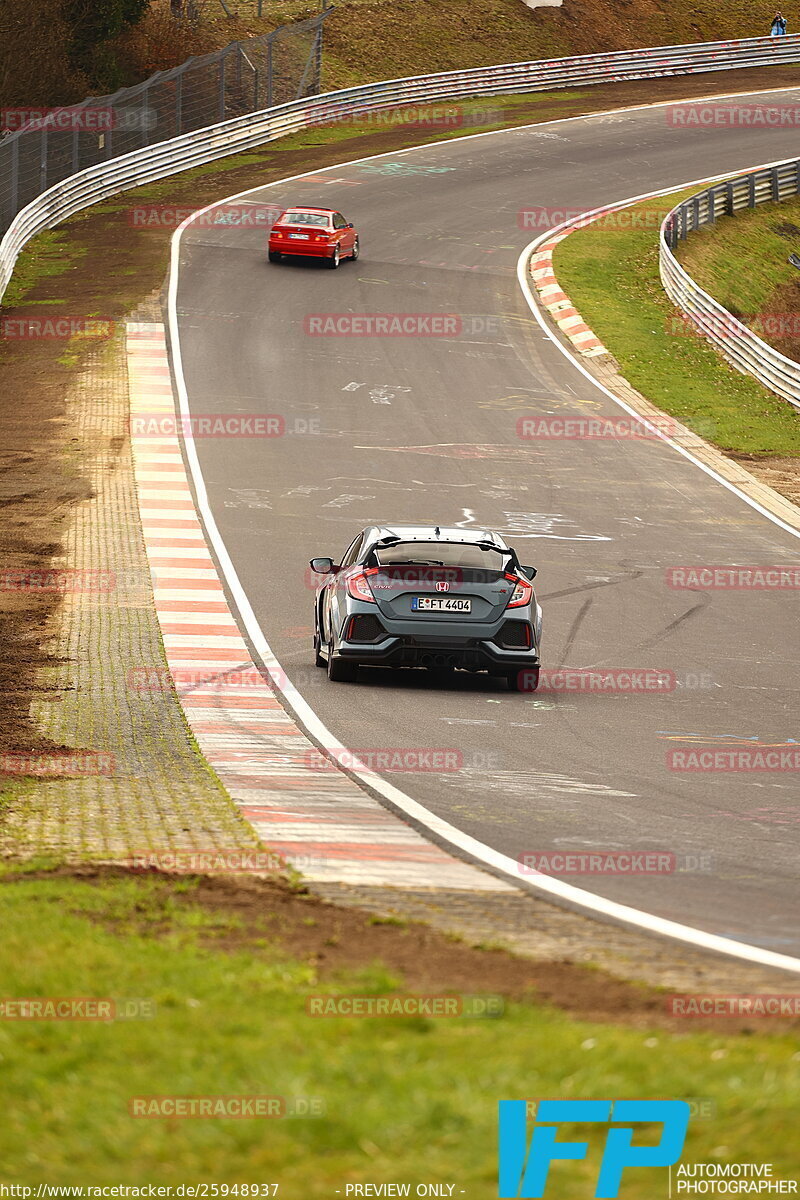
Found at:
<point>611,275</point>
<point>763,239</point>
<point>406,1099</point>
<point>50,255</point>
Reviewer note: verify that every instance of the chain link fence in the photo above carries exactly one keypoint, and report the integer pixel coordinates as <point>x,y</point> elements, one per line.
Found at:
<point>40,148</point>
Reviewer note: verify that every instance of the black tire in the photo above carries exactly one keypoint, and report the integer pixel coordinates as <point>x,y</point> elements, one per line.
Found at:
<point>356,250</point>
<point>319,661</point>
<point>526,679</point>
<point>275,256</point>
<point>339,670</point>
<point>333,262</point>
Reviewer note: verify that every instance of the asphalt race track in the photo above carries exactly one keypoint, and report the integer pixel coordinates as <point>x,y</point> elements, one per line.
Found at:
<point>425,429</point>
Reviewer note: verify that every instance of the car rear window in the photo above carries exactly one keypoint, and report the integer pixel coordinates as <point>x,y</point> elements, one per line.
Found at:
<point>448,554</point>
<point>303,218</point>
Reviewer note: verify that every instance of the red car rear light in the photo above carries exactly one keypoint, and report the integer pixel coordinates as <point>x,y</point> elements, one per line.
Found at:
<point>358,586</point>
<point>522,592</point>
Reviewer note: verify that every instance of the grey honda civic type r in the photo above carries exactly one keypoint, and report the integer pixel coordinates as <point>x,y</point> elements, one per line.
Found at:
<point>419,596</point>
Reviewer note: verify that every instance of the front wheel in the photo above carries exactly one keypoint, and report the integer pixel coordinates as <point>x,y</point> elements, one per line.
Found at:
<point>356,250</point>
<point>274,256</point>
<point>333,261</point>
<point>339,670</point>
<point>319,661</point>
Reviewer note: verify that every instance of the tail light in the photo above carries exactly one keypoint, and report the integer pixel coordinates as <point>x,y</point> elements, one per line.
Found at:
<point>358,585</point>
<point>522,592</point>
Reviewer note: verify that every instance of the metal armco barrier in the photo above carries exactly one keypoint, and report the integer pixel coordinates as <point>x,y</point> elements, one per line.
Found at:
<point>740,346</point>
<point>157,161</point>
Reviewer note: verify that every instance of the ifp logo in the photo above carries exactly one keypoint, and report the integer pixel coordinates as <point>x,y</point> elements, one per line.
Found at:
<point>524,1170</point>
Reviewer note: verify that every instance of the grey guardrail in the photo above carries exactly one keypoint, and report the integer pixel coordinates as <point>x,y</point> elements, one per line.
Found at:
<point>739,344</point>
<point>243,133</point>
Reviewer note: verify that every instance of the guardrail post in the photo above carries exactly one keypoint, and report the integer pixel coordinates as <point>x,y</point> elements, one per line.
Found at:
<point>696,212</point>
<point>751,191</point>
<point>43,160</point>
<point>145,117</point>
<point>729,197</point>
<point>179,105</point>
<point>318,59</point>
<point>222,62</point>
<point>776,186</point>
<point>14,176</point>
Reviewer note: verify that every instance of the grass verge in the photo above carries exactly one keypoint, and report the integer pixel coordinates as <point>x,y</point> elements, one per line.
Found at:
<point>408,1099</point>
<point>765,295</point>
<point>611,275</point>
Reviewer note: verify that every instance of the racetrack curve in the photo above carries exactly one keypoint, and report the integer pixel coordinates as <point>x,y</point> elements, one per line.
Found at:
<point>425,429</point>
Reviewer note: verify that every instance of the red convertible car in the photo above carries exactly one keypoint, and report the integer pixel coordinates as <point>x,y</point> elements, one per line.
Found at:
<point>313,233</point>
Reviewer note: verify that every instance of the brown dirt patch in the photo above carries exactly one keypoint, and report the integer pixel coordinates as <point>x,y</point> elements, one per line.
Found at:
<point>782,474</point>
<point>266,916</point>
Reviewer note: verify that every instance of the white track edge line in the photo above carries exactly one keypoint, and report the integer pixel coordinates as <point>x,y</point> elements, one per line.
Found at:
<point>522,277</point>
<point>574,896</point>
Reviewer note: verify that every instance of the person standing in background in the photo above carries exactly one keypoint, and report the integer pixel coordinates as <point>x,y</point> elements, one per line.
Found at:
<point>778,27</point>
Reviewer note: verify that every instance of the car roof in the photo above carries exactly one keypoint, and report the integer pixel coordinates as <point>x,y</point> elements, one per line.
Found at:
<point>446,533</point>
<point>307,208</point>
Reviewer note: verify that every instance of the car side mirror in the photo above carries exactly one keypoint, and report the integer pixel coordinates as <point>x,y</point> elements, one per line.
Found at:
<point>531,572</point>
<point>351,225</point>
<point>322,566</point>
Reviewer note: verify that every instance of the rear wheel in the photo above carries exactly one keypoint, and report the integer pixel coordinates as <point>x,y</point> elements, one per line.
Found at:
<point>526,679</point>
<point>356,250</point>
<point>274,256</point>
<point>339,670</point>
<point>333,262</point>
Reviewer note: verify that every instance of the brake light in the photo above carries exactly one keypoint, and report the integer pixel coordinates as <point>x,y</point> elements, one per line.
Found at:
<point>522,592</point>
<point>358,586</point>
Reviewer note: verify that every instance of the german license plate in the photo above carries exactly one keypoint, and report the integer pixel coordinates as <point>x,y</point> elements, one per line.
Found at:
<point>299,237</point>
<point>440,604</point>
